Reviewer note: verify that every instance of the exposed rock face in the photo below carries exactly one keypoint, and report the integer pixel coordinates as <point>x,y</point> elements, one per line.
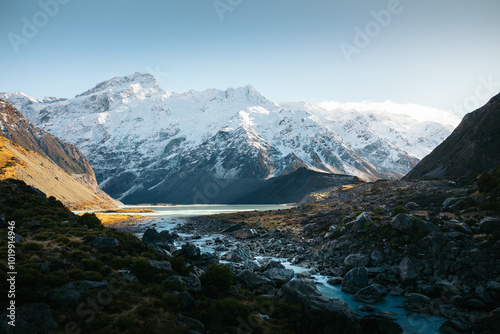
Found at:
<point>474,147</point>
<point>44,161</point>
<point>407,271</point>
<point>355,279</point>
<point>371,294</point>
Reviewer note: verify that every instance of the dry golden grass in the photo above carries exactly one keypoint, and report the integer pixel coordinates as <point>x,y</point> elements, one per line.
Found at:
<point>107,219</point>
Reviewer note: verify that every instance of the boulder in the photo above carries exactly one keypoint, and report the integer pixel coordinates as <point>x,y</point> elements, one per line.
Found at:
<point>488,323</point>
<point>73,293</point>
<point>371,294</point>
<point>380,324</point>
<point>490,225</point>
<point>402,223</point>
<point>193,283</point>
<point>423,225</point>
<point>279,275</point>
<point>335,280</point>
<point>324,315</point>
<point>151,237</point>
<point>104,242</point>
<point>185,299</point>
<point>377,257</point>
<point>417,302</point>
<point>300,290</point>
<point>246,233</point>
<point>190,251</point>
<point>455,326</point>
<point>356,260</point>
<point>238,255</point>
<point>191,322</point>
<point>483,295</point>
<point>253,280</point>
<point>30,318</point>
<point>407,271</point>
<point>355,279</point>
<point>360,221</point>
<point>161,266</point>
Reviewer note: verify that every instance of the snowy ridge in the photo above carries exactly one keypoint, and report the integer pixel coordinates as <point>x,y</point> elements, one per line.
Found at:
<point>139,137</point>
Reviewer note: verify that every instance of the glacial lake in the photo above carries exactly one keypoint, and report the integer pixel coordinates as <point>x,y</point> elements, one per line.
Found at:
<point>178,211</point>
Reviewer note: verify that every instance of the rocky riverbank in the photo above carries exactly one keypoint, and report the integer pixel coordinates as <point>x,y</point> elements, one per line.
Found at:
<point>426,241</point>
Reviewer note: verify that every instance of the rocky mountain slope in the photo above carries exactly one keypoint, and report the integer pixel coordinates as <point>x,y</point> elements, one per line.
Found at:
<point>151,145</point>
<point>473,148</point>
<point>45,162</point>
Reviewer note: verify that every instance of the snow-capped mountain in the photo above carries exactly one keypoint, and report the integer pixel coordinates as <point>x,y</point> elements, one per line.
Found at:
<point>151,145</point>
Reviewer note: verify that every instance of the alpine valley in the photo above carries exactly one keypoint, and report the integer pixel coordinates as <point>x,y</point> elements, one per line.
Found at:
<point>149,145</point>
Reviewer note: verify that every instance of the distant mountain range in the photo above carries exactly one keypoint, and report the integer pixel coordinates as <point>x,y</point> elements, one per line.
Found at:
<point>146,144</point>
<point>45,162</point>
<point>473,148</point>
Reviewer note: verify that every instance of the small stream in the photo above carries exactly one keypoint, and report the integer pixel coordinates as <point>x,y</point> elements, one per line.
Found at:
<point>412,323</point>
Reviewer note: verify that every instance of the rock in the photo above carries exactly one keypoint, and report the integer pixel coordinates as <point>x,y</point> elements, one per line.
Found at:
<point>490,225</point>
<point>279,275</point>
<point>423,225</point>
<point>366,308</point>
<point>187,321</point>
<point>185,299</point>
<point>402,223</point>
<point>360,222</point>
<point>161,266</point>
<point>232,228</point>
<point>193,283</point>
<point>300,290</point>
<point>455,326</point>
<point>30,225</point>
<point>482,294</point>
<point>104,242</point>
<point>417,303</point>
<point>447,291</point>
<point>452,201</point>
<point>356,260</point>
<point>371,294</point>
<point>238,255</point>
<point>380,324</point>
<point>73,293</point>
<point>412,206</point>
<point>407,271</point>
<point>335,280</point>
<point>474,304</point>
<point>432,243</point>
<point>250,265</point>
<point>18,238</point>
<point>376,257</point>
<point>253,280</point>
<point>493,286</point>
<point>190,251</point>
<point>30,318</point>
<point>246,233</point>
<point>355,279</point>
<point>164,239</point>
<point>324,315</point>
<point>488,323</point>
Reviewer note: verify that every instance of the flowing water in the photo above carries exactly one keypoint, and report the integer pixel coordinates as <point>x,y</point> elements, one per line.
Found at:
<point>168,217</point>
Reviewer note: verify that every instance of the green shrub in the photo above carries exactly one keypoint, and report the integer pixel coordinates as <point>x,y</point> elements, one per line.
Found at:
<point>91,264</point>
<point>219,276</point>
<point>93,276</point>
<point>31,246</point>
<point>91,220</point>
<point>486,183</point>
<point>399,209</point>
<point>179,265</point>
<point>141,268</point>
<point>77,274</point>
<point>227,311</point>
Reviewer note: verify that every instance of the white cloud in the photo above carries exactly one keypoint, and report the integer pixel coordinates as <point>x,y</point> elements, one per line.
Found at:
<point>418,112</point>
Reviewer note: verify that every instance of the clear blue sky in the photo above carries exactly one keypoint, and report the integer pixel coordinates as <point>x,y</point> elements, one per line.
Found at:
<point>431,52</point>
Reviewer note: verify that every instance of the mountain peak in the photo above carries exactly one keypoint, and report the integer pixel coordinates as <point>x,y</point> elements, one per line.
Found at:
<point>120,83</point>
